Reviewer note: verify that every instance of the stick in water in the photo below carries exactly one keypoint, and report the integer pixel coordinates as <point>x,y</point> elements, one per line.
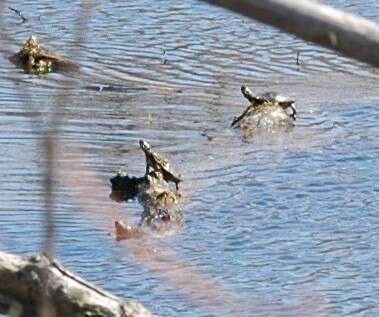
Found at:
<point>18,12</point>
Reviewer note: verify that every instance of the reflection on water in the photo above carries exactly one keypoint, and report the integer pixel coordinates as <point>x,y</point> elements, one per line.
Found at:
<point>267,219</point>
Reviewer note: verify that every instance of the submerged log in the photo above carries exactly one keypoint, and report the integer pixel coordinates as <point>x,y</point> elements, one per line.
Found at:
<point>25,283</point>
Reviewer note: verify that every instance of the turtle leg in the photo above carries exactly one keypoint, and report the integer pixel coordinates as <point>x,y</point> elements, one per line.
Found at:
<point>289,104</point>
<point>239,118</point>
<point>294,112</point>
<point>235,120</point>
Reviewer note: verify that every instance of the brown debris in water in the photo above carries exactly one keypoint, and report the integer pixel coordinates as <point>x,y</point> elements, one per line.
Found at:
<point>125,232</point>
<point>36,59</point>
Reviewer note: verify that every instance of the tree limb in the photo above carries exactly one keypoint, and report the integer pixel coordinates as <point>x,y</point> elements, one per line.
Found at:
<point>346,33</point>
<point>21,291</point>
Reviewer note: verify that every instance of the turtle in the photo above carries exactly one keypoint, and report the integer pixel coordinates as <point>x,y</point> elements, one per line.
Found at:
<point>257,103</point>
<point>158,164</point>
<point>36,59</point>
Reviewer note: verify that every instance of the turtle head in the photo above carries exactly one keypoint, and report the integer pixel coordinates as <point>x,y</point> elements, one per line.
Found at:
<point>144,145</point>
<point>248,94</point>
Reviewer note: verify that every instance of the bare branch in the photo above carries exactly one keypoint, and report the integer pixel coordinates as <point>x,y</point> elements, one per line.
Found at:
<point>345,33</point>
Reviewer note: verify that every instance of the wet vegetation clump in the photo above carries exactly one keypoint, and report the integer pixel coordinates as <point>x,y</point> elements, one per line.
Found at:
<point>125,187</point>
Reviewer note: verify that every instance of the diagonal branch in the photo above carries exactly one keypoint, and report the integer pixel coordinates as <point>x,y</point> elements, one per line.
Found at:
<point>345,33</point>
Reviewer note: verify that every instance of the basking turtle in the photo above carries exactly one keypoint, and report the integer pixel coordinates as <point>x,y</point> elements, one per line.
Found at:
<point>36,59</point>
<point>267,111</point>
<point>158,164</point>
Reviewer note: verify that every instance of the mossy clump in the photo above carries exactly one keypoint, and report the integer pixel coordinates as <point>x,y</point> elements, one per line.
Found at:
<point>37,60</point>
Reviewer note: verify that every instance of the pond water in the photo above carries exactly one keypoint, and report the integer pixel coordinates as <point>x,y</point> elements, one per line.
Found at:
<point>278,226</point>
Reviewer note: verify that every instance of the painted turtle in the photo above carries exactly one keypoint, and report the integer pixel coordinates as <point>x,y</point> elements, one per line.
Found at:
<point>158,164</point>
<point>267,111</point>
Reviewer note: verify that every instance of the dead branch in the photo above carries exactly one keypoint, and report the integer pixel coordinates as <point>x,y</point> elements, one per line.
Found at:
<point>346,33</point>
<point>21,291</point>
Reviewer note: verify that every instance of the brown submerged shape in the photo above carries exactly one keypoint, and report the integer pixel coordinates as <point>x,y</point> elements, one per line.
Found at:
<point>38,60</point>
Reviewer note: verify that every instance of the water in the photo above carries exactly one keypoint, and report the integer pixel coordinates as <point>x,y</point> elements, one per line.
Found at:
<point>281,225</point>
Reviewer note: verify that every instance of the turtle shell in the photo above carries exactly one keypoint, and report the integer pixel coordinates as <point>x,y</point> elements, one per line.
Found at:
<point>283,101</point>
<point>275,97</point>
<point>259,102</point>
<point>158,163</point>
<point>159,160</point>
<point>269,117</point>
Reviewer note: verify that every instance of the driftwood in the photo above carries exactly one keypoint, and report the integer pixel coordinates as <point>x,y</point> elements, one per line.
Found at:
<point>64,293</point>
<point>348,34</point>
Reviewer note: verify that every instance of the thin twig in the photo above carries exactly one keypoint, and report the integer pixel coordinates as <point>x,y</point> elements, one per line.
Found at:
<point>18,12</point>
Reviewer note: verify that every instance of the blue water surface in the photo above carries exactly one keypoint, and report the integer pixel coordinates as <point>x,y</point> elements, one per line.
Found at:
<point>277,225</point>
